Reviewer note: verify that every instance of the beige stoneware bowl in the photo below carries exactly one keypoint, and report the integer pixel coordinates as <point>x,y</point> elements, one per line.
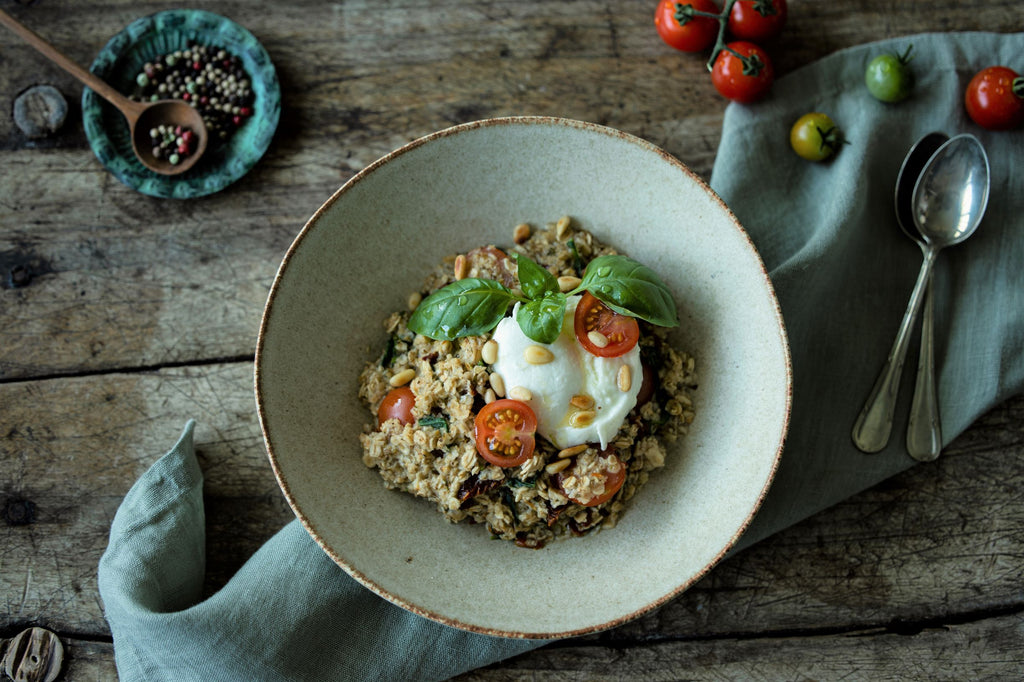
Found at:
<point>373,242</point>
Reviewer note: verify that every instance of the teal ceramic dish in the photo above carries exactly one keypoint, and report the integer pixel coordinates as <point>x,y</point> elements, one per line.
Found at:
<point>149,37</point>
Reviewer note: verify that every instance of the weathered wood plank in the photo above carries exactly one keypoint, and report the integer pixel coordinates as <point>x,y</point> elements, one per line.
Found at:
<point>916,548</point>
<point>988,649</point>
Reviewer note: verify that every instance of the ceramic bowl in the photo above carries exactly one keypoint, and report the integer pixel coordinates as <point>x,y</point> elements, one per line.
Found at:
<point>147,38</point>
<point>374,241</point>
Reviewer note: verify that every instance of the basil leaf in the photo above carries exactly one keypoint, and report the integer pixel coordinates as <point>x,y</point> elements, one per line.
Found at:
<point>534,280</point>
<point>630,288</point>
<point>439,423</point>
<point>468,307</point>
<point>541,320</point>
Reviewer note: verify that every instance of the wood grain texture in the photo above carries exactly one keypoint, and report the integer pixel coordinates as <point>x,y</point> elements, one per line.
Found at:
<point>139,314</point>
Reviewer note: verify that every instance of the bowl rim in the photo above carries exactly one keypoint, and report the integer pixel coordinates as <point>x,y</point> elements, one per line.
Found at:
<point>368,582</point>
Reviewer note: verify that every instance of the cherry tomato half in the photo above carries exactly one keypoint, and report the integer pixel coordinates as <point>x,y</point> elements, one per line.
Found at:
<point>397,404</point>
<point>504,432</point>
<point>995,98</point>
<point>757,20</point>
<point>742,72</point>
<point>686,33</point>
<point>611,470</point>
<point>620,332</point>
<point>492,263</point>
<point>815,137</point>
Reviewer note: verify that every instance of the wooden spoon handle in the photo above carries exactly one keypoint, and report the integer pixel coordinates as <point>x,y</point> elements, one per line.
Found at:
<point>129,108</point>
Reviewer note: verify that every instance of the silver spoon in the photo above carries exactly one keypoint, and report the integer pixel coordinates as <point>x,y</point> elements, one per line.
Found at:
<point>141,116</point>
<point>924,429</point>
<point>948,202</point>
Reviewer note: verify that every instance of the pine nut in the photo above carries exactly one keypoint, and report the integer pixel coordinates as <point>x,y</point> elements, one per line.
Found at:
<point>598,339</point>
<point>520,393</point>
<point>498,384</point>
<point>414,300</point>
<point>521,233</point>
<point>461,267</point>
<point>446,346</point>
<point>581,419</point>
<point>538,355</point>
<point>582,401</point>
<point>624,379</point>
<point>568,283</point>
<point>555,467</point>
<point>403,377</point>
<point>562,226</point>
<point>572,452</point>
<point>489,396</point>
<point>489,353</point>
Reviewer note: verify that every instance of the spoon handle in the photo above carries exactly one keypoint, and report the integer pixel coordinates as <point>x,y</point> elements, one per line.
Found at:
<point>924,432</point>
<point>127,107</point>
<point>874,424</point>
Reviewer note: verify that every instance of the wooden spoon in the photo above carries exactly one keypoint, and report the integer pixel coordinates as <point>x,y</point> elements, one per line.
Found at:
<point>141,116</point>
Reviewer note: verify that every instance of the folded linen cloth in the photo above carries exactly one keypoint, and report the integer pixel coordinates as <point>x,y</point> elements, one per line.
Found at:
<point>842,271</point>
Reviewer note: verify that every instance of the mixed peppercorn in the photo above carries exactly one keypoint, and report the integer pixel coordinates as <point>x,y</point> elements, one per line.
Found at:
<point>211,79</point>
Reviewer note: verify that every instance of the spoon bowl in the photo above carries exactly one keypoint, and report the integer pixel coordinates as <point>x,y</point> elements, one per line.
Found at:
<point>949,200</point>
<point>141,117</point>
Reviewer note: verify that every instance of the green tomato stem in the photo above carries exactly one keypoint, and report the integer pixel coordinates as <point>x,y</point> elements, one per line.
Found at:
<point>723,20</point>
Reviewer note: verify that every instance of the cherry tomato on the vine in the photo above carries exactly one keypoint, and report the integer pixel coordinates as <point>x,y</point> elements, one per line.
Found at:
<point>742,72</point>
<point>995,98</point>
<point>504,432</point>
<point>757,20</point>
<point>683,30</point>
<point>815,136</point>
<point>889,77</point>
<point>617,333</point>
<point>397,404</point>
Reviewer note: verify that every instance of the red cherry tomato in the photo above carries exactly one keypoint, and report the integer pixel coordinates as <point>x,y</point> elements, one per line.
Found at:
<point>397,404</point>
<point>744,78</point>
<point>612,470</point>
<point>995,98</point>
<point>646,387</point>
<point>686,33</point>
<point>757,20</point>
<point>620,332</point>
<point>504,432</point>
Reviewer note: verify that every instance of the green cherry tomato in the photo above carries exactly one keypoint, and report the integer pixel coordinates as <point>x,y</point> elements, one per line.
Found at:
<point>815,137</point>
<point>889,77</point>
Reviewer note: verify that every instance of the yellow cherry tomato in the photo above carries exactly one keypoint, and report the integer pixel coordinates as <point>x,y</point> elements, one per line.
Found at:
<point>815,137</point>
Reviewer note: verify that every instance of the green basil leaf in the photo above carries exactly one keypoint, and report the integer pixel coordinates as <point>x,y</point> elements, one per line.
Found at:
<point>630,288</point>
<point>439,423</point>
<point>534,280</point>
<point>541,320</point>
<point>468,307</point>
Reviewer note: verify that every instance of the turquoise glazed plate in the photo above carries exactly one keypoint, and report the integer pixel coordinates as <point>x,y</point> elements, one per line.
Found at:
<point>148,38</point>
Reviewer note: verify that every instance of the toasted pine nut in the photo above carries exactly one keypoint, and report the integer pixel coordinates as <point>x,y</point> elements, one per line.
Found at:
<point>562,226</point>
<point>624,379</point>
<point>461,267</point>
<point>568,283</point>
<point>572,452</point>
<point>414,300</point>
<point>521,233</point>
<point>403,377</point>
<point>582,401</point>
<point>489,353</point>
<point>520,393</point>
<point>489,396</point>
<point>555,467</point>
<point>498,384</point>
<point>598,339</point>
<point>538,355</point>
<point>580,419</point>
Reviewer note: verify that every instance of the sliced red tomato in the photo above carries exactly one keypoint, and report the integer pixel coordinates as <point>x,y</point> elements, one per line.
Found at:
<point>619,331</point>
<point>504,432</point>
<point>647,387</point>
<point>494,263</point>
<point>397,404</point>
<point>612,470</point>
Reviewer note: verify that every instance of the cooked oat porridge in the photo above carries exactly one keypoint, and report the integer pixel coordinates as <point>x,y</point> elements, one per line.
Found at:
<point>531,391</point>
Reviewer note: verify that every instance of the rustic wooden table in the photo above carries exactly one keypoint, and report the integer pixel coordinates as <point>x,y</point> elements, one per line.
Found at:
<point>123,316</point>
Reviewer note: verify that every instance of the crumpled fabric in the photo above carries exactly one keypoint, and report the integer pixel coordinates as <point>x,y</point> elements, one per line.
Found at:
<point>843,272</point>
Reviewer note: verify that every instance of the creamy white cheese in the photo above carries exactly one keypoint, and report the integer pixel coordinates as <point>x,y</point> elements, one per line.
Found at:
<point>573,372</point>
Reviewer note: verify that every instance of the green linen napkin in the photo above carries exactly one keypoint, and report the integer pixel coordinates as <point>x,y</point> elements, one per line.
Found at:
<point>842,271</point>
